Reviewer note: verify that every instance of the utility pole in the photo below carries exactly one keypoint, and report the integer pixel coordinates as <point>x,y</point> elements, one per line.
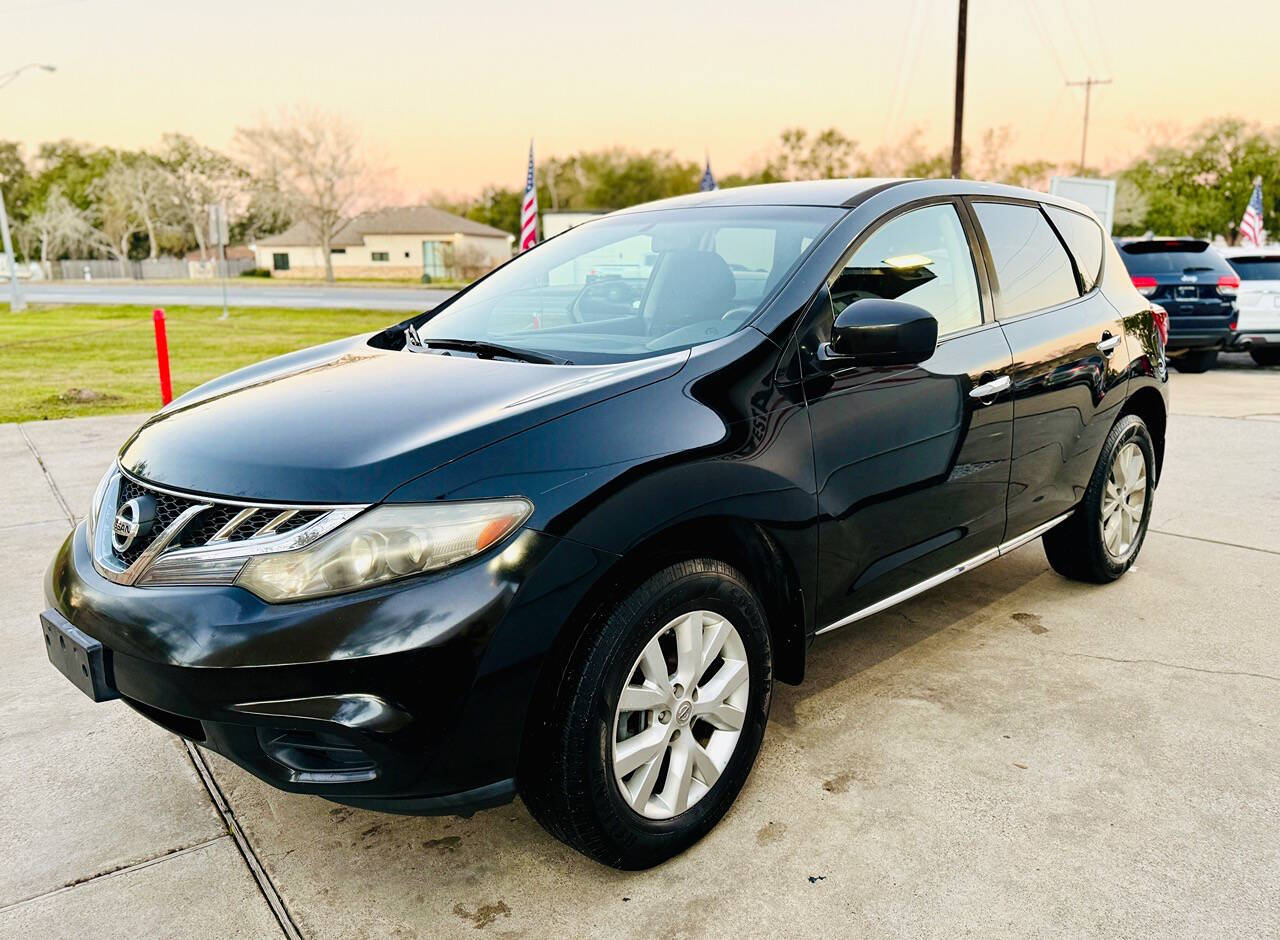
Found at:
<point>1087,85</point>
<point>957,131</point>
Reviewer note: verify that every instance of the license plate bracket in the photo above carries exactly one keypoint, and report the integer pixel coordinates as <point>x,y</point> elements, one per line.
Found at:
<point>77,656</point>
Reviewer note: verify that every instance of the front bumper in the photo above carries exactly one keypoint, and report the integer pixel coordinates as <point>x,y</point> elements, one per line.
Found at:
<point>407,697</point>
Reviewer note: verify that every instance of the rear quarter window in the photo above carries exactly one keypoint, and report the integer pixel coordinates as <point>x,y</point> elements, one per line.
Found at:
<point>1085,239</point>
<point>1033,271</point>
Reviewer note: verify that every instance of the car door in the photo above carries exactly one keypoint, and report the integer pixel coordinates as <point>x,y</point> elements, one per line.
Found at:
<point>1069,354</point>
<point>912,464</point>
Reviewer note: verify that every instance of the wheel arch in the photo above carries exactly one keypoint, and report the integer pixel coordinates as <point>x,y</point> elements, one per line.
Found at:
<point>1148,404</point>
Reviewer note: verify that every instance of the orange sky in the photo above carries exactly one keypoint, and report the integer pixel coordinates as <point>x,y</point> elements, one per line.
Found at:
<point>447,94</point>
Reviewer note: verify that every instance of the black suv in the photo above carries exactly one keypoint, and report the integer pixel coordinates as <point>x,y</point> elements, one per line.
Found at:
<point>1196,286</point>
<point>560,535</point>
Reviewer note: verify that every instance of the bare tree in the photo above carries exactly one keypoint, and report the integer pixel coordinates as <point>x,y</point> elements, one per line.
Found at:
<point>316,168</point>
<point>118,212</point>
<point>195,178</point>
<point>59,225</point>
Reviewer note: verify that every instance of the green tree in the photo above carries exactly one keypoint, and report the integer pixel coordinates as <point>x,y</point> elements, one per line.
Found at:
<point>1201,186</point>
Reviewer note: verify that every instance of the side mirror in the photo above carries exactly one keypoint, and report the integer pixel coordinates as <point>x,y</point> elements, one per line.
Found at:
<point>875,332</point>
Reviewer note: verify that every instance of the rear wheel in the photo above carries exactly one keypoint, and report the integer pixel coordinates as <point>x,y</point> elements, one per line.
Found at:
<point>1197,360</point>
<point>1102,538</point>
<point>1266,355</point>
<point>658,719</point>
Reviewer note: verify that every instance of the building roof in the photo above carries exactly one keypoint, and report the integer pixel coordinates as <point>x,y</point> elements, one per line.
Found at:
<point>406,220</point>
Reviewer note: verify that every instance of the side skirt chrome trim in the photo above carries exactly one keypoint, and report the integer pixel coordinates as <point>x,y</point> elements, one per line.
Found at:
<point>968,565</point>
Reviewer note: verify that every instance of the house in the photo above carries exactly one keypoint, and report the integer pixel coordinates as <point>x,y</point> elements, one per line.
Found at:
<point>419,242</point>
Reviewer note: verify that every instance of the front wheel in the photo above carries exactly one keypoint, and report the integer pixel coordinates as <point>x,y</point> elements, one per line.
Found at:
<point>1197,360</point>
<point>1266,355</point>
<point>1101,539</point>
<point>658,719</point>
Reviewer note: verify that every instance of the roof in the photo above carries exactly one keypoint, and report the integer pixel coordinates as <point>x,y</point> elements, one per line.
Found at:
<point>851,192</point>
<point>406,220</point>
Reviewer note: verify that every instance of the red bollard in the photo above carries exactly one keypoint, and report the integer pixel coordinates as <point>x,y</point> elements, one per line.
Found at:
<point>162,357</point>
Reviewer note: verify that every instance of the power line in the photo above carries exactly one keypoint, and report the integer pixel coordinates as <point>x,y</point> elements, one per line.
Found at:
<point>1071,24</point>
<point>1044,38</point>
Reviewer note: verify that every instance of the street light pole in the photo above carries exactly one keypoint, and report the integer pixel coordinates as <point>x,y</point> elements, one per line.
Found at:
<point>17,303</point>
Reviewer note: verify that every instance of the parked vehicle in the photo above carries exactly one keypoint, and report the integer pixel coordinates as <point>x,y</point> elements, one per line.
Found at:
<point>1198,288</point>
<point>485,551</point>
<point>1258,329</point>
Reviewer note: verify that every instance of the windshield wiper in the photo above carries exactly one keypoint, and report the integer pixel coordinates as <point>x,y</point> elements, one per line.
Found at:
<point>483,350</point>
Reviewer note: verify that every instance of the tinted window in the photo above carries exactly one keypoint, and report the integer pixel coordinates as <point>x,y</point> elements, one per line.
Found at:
<point>921,257</point>
<point>1257,269</point>
<point>1084,238</point>
<point>1032,268</point>
<point>1152,258</point>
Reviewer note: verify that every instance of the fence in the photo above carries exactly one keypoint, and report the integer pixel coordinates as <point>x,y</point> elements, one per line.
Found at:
<point>97,269</point>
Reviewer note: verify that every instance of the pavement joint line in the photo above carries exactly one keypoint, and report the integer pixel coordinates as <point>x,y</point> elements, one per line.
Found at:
<point>259,873</point>
<point>1200,538</point>
<point>57,493</point>
<point>1160,662</point>
<point>122,870</point>
<point>1251,416</point>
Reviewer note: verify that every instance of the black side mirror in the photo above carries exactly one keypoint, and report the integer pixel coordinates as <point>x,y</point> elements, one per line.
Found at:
<point>875,332</point>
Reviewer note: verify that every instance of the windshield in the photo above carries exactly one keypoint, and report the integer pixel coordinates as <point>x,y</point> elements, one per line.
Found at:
<point>636,284</point>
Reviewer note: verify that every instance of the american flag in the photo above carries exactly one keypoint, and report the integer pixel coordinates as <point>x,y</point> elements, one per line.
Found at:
<point>529,209</point>
<point>708,181</point>
<point>1251,224</point>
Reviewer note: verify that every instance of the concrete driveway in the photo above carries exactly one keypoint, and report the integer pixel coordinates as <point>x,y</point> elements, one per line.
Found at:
<point>239,294</point>
<point>1010,754</point>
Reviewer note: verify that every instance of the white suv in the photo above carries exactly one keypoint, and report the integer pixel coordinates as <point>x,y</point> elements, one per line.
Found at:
<point>1259,301</point>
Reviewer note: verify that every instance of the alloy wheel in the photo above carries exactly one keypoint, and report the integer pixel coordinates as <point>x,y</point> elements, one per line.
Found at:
<point>1124,501</point>
<point>680,714</point>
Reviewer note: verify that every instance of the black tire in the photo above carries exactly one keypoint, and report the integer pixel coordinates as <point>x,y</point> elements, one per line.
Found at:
<point>566,776</point>
<point>1197,360</point>
<point>1076,548</point>
<point>1266,355</point>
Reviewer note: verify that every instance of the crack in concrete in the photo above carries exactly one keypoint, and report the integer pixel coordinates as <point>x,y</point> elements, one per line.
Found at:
<point>48,477</point>
<point>259,874</point>
<point>1201,538</point>
<point>265,886</point>
<point>1160,662</point>
<point>111,872</point>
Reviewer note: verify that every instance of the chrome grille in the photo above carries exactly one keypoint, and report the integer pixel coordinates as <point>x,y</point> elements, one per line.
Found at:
<point>196,539</point>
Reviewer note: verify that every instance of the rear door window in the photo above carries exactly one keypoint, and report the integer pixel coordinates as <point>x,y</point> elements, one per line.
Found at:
<point>1032,268</point>
<point>1084,238</point>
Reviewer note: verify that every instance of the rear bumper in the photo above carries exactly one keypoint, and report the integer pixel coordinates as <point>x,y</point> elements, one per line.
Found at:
<point>1248,338</point>
<point>410,697</point>
<point>1199,338</point>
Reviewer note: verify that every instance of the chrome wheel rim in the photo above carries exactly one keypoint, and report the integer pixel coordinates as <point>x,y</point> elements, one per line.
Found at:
<point>680,714</point>
<point>1124,501</point>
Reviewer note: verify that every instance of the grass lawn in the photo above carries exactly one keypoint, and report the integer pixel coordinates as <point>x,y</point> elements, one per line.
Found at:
<point>69,361</point>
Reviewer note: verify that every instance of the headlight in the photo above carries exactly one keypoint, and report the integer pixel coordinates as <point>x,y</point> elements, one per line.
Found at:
<point>383,544</point>
<point>95,507</point>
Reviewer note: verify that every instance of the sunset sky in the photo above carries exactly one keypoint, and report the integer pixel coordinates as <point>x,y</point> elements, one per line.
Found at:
<point>448,94</point>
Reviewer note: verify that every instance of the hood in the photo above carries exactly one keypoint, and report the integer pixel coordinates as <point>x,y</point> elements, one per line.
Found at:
<point>347,422</point>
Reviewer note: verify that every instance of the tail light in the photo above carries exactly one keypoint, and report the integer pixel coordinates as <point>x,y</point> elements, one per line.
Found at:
<point>1146,285</point>
<point>1228,285</point>
<point>1161,318</point>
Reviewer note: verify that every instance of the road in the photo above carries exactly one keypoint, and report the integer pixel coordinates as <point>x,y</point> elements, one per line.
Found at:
<point>1010,754</point>
<point>239,294</point>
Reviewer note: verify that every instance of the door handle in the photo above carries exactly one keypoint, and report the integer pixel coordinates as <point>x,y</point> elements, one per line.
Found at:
<point>1108,344</point>
<point>991,389</point>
